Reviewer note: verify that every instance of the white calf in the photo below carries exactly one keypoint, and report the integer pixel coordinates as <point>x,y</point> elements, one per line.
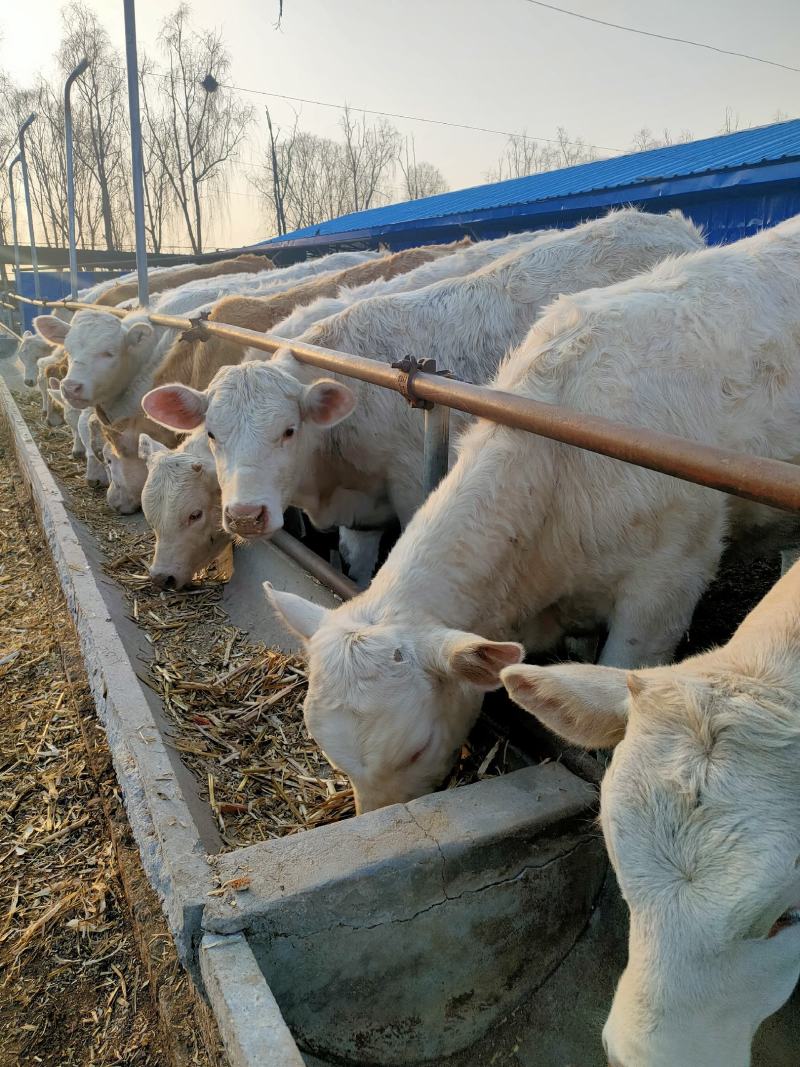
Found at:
<point>526,534</point>
<point>277,429</point>
<point>30,350</point>
<point>71,417</point>
<point>700,810</point>
<point>46,370</point>
<point>456,265</point>
<point>181,503</point>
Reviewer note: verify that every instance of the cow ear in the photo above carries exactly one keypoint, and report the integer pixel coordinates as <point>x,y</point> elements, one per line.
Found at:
<point>327,402</point>
<point>149,447</point>
<point>300,616</point>
<point>475,660</point>
<point>584,704</point>
<point>51,329</point>
<point>138,335</point>
<point>178,407</point>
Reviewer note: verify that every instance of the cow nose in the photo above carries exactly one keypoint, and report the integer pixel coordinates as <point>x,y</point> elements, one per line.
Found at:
<point>161,580</point>
<point>246,519</point>
<point>71,390</point>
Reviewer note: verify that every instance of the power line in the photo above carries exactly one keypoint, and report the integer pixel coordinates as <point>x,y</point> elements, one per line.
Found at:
<point>397,115</point>
<point>414,118</point>
<point>663,37</point>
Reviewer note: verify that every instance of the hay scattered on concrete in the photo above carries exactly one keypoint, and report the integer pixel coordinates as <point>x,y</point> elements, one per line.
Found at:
<point>235,706</point>
<point>72,988</point>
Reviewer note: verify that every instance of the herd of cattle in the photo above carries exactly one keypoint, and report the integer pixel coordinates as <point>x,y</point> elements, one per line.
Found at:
<point>526,540</point>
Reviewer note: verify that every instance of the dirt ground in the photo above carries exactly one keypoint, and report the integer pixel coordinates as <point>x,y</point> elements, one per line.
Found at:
<point>88,974</point>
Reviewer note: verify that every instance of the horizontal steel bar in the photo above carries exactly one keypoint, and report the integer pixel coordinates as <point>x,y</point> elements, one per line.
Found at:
<point>314,564</point>
<point>765,481</point>
<point>8,330</point>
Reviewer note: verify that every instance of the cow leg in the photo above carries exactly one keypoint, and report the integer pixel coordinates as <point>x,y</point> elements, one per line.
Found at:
<point>359,550</point>
<point>96,473</point>
<point>78,449</point>
<point>53,416</point>
<point>655,605</point>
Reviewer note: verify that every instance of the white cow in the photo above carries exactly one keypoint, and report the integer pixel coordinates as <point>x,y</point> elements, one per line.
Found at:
<point>456,265</point>
<point>263,281</point>
<point>71,417</point>
<point>526,537</point>
<point>111,365</point>
<point>181,502</point>
<point>700,809</point>
<point>279,430</point>
<point>46,368</point>
<point>29,351</point>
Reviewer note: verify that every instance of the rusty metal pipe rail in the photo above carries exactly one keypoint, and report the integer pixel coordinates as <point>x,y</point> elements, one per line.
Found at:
<point>314,564</point>
<point>765,481</point>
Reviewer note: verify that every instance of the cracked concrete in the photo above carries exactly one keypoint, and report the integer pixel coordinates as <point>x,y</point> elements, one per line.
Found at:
<point>406,944</point>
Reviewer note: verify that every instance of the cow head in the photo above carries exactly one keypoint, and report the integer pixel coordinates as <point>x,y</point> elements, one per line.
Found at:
<point>127,471</point>
<point>263,427</point>
<point>390,704</point>
<point>30,350</point>
<point>700,810</point>
<point>180,500</point>
<point>104,354</point>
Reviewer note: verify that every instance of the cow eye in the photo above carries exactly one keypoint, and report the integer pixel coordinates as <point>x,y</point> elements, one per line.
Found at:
<point>416,755</point>
<point>288,432</point>
<point>195,516</point>
<point>211,436</point>
<point>109,355</point>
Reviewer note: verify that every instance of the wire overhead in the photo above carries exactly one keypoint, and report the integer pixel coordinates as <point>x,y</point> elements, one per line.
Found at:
<point>414,118</point>
<point>662,36</point>
<point>397,115</point>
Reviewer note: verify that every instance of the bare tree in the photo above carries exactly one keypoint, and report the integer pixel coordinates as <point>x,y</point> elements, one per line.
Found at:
<point>100,117</point>
<point>159,196</point>
<point>643,140</point>
<point>521,156</point>
<point>731,123</point>
<point>279,172</point>
<point>370,154</point>
<point>573,151</point>
<point>419,179</point>
<point>204,122</point>
<point>307,178</point>
<point>47,165</point>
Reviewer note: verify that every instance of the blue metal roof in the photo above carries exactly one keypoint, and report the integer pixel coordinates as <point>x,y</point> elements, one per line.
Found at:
<point>746,148</point>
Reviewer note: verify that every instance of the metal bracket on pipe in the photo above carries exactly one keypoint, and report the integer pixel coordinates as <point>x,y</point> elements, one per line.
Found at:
<point>410,367</point>
<point>197,331</point>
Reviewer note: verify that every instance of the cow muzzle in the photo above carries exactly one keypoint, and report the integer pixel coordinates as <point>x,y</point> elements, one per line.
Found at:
<point>74,393</point>
<point>246,520</point>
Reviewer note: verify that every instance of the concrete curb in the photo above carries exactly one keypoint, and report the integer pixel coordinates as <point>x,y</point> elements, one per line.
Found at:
<point>165,831</point>
<point>249,1019</point>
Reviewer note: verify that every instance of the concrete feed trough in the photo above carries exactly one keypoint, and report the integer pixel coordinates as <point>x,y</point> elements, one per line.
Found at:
<point>399,937</point>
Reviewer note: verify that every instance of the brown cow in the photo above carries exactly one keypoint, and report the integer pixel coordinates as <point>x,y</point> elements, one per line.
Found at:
<point>171,279</point>
<point>194,359</point>
<point>120,452</point>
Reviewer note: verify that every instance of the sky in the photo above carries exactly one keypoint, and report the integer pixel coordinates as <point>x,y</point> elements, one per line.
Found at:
<point>508,65</point>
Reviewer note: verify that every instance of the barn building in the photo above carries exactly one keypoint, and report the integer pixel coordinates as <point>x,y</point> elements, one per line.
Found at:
<point>732,185</point>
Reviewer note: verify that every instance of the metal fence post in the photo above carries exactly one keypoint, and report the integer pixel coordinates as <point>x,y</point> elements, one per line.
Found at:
<point>27,190</point>
<point>14,234</point>
<point>436,447</point>
<point>136,149</point>
<point>73,255</point>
